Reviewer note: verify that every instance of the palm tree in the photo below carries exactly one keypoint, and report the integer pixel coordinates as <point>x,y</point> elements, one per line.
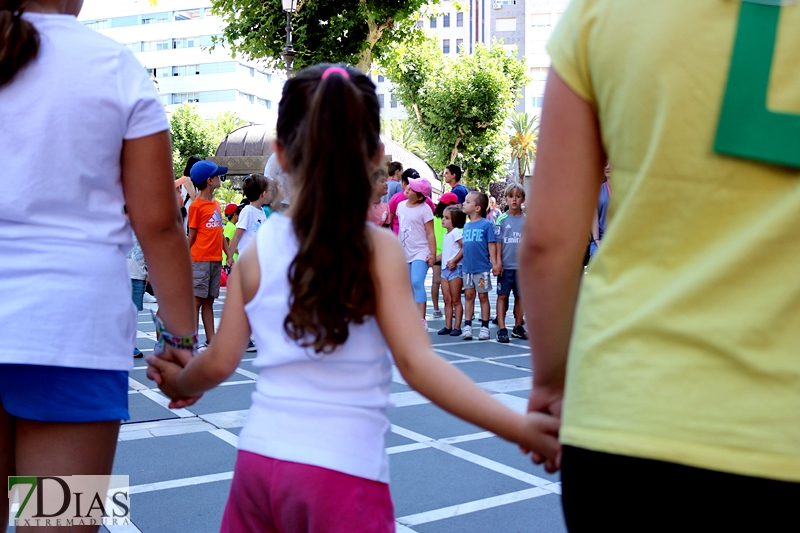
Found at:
<point>523,141</point>
<point>405,133</point>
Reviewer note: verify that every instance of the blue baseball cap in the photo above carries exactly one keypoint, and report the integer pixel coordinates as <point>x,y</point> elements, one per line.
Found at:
<point>203,170</point>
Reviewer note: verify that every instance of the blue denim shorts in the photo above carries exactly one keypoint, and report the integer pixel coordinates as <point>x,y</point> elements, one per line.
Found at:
<point>61,394</point>
<point>450,275</point>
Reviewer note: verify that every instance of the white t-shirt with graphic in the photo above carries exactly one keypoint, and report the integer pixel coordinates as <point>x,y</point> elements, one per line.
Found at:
<point>412,230</point>
<point>250,219</point>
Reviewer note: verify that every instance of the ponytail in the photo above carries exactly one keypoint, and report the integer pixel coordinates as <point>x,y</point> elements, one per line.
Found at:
<point>19,40</point>
<point>329,127</point>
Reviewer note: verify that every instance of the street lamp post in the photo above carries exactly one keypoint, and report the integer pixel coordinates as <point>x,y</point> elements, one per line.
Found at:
<point>288,54</point>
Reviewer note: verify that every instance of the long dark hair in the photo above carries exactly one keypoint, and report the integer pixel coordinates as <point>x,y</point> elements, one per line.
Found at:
<point>329,129</point>
<point>19,40</point>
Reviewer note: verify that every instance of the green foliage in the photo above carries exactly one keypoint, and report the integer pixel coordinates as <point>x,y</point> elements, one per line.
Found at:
<point>192,135</point>
<point>226,194</point>
<point>324,31</point>
<point>460,103</point>
<point>406,133</point>
<point>523,141</point>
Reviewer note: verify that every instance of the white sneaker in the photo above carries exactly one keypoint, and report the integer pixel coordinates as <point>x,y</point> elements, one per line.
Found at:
<point>437,314</point>
<point>467,333</point>
<point>149,298</point>
<point>484,335</point>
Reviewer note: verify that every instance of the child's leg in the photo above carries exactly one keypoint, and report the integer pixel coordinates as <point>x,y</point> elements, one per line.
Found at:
<point>418,270</point>
<point>483,297</point>
<point>502,307</point>
<point>455,295</point>
<point>519,311</point>
<point>469,299</point>
<point>437,281</point>
<point>207,311</point>
<point>448,303</point>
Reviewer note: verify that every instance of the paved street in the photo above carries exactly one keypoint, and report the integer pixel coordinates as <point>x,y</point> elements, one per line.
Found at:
<point>447,476</point>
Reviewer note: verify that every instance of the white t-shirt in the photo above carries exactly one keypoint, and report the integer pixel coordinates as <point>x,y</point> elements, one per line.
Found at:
<point>323,410</point>
<point>250,219</point>
<point>63,235</point>
<point>412,230</point>
<point>450,245</point>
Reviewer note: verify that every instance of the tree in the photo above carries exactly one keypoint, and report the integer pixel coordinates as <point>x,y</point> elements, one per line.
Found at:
<point>193,135</point>
<point>460,103</point>
<point>190,136</point>
<point>223,124</point>
<point>523,141</point>
<point>405,132</point>
<point>324,31</point>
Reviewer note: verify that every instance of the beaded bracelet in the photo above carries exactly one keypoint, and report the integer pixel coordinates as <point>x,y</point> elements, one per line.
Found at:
<point>188,342</point>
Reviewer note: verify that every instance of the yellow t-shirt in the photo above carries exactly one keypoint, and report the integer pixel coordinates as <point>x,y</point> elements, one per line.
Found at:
<point>686,345</point>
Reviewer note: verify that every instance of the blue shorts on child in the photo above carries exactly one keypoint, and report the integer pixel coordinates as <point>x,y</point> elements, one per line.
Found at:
<point>61,394</point>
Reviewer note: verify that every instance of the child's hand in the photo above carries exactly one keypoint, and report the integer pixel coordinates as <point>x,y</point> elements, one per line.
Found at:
<point>451,265</point>
<point>497,271</point>
<point>541,438</point>
<point>429,260</point>
<point>165,373</point>
<point>229,262</point>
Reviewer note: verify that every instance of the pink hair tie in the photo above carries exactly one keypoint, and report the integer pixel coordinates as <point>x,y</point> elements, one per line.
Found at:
<point>335,70</point>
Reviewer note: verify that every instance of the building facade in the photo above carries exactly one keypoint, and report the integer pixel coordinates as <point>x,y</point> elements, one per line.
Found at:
<point>172,40</point>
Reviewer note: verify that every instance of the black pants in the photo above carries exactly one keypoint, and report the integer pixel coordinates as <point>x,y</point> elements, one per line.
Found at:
<point>614,493</point>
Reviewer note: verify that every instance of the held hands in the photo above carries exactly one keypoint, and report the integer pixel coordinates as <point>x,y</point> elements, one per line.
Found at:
<point>545,401</point>
<point>497,270</point>
<point>164,370</point>
<point>451,265</point>
<point>429,260</point>
<point>541,437</point>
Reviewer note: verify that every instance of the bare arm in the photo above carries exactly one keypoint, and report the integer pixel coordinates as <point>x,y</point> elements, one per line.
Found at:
<point>192,236</point>
<point>596,227</point>
<point>454,261</point>
<point>429,234</point>
<point>149,190</point>
<point>563,197</point>
<point>431,375</point>
<point>237,236</point>
<point>493,257</point>
<point>497,263</point>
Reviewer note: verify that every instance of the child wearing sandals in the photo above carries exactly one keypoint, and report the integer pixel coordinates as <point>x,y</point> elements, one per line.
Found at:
<point>327,296</point>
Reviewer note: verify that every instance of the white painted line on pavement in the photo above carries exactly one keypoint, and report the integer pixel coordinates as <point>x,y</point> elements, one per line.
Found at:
<point>405,448</point>
<point>177,483</point>
<point>471,507</point>
<point>226,419</point>
<point>468,438</point>
<point>163,401</point>
<point>246,373</point>
<point>473,458</point>
<point>163,428</point>
<point>508,385</point>
<point>227,436</point>
<point>488,360</point>
<point>130,528</point>
<point>400,528</point>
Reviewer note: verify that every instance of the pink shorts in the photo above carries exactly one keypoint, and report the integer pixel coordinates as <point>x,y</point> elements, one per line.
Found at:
<point>270,496</point>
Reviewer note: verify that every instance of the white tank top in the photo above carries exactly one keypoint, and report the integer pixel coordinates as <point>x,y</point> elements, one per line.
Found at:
<point>323,410</point>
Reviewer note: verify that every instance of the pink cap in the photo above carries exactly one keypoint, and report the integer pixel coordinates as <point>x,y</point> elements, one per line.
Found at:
<point>449,198</point>
<point>420,185</point>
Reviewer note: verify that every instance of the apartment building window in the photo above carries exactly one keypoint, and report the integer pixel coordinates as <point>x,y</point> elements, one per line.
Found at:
<point>537,101</point>
<point>460,20</point>
<point>218,96</point>
<point>446,46</point>
<point>380,101</point>
<point>381,79</point>
<point>266,103</point>
<point>459,44</point>
<point>179,98</point>
<point>252,72</point>
<point>446,20</point>
<point>98,24</point>
<point>189,42</point>
<point>420,23</point>
<point>267,76</point>
<point>540,20</point>
<point>156,19</point>
<point>163,72</point>
<point>433,22</point>
<point>393,102</point>
<point>505,24</point>
<point>186,70</point>
<point>187,14</point>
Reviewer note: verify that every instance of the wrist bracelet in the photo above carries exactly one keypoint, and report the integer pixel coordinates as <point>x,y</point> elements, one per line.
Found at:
<point>188,342</point>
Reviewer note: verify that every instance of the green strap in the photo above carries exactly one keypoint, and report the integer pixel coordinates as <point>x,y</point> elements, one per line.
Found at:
<point>746,128</point>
